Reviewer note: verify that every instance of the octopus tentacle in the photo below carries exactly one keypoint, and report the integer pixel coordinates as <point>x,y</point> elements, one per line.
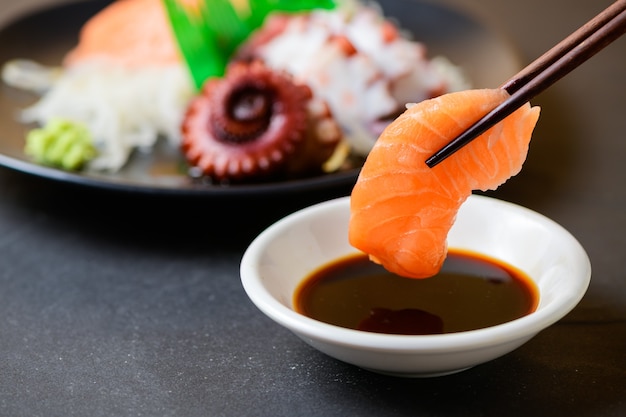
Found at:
<point>249,124</point>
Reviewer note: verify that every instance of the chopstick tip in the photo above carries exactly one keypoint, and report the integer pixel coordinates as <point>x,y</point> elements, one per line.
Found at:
<point>433,160</point>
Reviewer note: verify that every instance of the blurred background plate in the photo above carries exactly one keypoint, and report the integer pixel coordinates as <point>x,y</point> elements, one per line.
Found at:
<point>46,35</point>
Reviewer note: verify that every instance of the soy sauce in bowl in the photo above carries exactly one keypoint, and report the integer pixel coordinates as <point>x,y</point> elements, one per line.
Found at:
<point>472,291</point>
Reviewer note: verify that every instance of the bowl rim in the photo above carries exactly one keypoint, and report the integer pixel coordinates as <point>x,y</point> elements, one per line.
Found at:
<point>526,326</point>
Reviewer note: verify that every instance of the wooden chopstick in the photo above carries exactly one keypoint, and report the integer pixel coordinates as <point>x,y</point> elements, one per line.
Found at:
<point>568,54</point>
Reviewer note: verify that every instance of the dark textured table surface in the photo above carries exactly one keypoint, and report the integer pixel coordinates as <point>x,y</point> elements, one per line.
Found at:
<point>122,304</point>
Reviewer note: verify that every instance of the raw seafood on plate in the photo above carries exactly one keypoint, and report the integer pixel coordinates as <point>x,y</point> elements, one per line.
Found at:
<point>255,123</point>
<point>126,82</point>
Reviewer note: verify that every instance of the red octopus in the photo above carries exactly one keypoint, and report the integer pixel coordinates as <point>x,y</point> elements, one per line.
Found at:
<point>256,123</point>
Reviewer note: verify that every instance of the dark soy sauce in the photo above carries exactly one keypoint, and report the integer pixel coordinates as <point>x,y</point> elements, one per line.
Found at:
<point>470,292</point>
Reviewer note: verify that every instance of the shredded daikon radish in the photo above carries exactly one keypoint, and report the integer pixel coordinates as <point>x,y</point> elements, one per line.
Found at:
<point>124,108</point>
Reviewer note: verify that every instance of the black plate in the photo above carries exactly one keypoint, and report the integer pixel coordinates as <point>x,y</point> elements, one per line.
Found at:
<point>45,36</point>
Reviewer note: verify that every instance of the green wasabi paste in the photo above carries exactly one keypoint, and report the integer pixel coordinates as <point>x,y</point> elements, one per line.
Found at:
<point>61,143</point>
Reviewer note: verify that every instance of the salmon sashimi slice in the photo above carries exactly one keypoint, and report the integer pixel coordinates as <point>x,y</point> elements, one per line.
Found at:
<point>402,210</point>
<point>132,33</point>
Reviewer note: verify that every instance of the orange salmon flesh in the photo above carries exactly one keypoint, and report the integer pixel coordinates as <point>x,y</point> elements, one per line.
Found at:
<point>402,210</point>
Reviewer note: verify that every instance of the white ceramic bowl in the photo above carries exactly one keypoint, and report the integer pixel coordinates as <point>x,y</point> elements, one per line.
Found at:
<point>284,254</point>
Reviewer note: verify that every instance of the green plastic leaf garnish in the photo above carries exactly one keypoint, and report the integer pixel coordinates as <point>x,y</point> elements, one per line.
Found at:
<point>209,31</point>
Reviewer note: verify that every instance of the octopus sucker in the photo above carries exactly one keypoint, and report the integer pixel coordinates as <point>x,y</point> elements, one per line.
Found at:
<point>256,122</point>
